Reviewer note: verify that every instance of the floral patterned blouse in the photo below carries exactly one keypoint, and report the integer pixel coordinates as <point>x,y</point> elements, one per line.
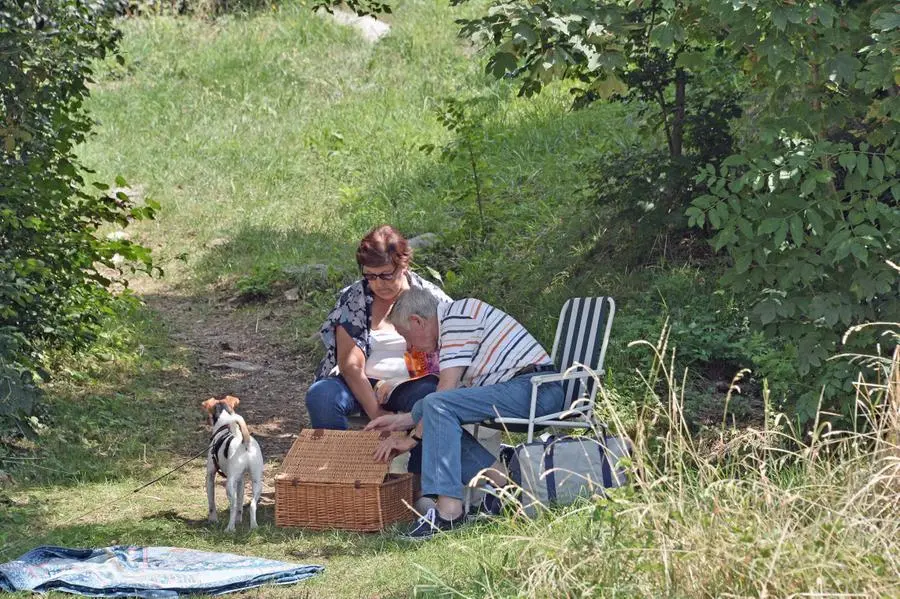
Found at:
<point>353,311</point>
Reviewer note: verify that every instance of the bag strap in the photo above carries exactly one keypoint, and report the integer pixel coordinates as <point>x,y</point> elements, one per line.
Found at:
<point>549,472</point>
<point>605,469</point>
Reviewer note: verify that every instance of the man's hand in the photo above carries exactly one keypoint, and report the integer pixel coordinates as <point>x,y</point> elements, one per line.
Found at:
<point>393,446</point>
<point>391,422</point>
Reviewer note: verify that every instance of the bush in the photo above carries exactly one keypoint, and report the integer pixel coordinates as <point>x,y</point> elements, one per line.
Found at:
<point>55,270</point>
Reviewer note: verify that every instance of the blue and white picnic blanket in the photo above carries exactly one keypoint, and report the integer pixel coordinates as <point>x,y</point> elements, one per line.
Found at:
<point>149,572</point>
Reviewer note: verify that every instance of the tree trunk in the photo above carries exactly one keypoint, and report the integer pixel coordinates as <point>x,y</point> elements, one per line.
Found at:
<point>676,139</point>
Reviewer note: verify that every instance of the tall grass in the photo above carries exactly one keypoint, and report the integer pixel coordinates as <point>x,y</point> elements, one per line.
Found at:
<point>752,513</point>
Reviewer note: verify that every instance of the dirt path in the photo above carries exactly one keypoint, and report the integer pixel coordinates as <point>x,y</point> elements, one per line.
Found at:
<point>241,352</point>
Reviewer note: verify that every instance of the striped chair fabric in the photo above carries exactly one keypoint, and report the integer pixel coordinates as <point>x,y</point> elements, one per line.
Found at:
<point>582,335</point>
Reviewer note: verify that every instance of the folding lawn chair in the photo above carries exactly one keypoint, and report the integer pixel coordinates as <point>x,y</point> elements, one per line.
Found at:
<point>579,349</point>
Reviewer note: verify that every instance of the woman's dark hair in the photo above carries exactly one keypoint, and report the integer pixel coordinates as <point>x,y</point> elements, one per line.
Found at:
<point>381,246</point>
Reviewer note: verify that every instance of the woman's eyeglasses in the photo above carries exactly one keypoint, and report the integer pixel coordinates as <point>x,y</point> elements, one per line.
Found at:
<point>385,276</point>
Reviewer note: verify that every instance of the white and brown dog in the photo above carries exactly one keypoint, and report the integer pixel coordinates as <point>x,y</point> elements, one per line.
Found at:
<point>232,453</point>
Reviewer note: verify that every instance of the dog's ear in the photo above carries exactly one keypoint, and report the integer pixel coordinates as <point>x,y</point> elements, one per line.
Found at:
<point>210,404</point>
<point>232,402</point>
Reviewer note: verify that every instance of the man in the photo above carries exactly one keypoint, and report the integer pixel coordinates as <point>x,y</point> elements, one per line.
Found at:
<point>487,360</point>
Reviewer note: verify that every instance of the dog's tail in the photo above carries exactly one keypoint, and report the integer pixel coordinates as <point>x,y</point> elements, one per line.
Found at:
<point>245,432</point>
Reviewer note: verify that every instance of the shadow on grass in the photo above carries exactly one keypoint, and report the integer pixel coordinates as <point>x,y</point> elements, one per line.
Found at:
<point>171,528</point>
<point>257,256</point>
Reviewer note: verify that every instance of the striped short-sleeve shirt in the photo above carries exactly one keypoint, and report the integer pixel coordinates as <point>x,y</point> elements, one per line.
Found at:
<point>489,343</point>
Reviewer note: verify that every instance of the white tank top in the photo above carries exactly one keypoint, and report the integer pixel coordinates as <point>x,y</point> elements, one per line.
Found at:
<point>386,350</point>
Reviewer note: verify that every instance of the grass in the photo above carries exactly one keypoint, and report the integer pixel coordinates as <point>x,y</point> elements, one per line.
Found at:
<point>763,512</point>
<point>276,139</point>
<point>131,424</point>
<point>760,512</point>
<point>286,136</point>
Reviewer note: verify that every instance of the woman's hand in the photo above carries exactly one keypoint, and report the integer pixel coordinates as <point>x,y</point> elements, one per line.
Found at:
<point>383,391</point>
<point>391,422</point>
<point>393,446</point>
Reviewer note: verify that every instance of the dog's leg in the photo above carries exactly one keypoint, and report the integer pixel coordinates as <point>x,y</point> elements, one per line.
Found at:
<point>211,490</point>
<point>231,489</point>
<point>256,481</point>
<point>240,498</point>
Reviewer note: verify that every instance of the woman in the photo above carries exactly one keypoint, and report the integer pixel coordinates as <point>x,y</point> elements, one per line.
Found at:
<point>365,356</point>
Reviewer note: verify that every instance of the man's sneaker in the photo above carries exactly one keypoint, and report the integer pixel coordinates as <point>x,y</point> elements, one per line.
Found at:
<point>432,524</point>
<point>423,504</point>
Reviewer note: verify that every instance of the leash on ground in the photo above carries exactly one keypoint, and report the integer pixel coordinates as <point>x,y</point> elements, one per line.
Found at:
<point>4,550</point>
<point>173,470</point>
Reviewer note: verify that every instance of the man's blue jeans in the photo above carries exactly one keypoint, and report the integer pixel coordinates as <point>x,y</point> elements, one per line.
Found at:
<point>330,401</point>
<point>449,453</point>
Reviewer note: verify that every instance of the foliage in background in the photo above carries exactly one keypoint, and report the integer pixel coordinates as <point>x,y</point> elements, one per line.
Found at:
<point>466,119</point>
<point>680,91</point>
<point>203,8</point>
<point>809,209</point>
<point>634,52</point>
<point>54,269</point>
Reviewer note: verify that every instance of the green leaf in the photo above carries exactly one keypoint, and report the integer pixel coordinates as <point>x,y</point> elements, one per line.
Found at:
<point>877,168</point>
<point>847,160</point>
<point>663,36</point>
<point>823,176</point>
<point>500,64</point>
<point>767,311</point>
<point>435,274</point>
<point>844,67</point>
<point>695,216</point>
<point>525,33</point>
<point>808,186</point>
<point>714,220</point>
<point>609,86</point>
<point>780,235</point>
<point>769,226</point>
<point>860,252</point>
<point>887,20</point>
<point>735,160</point>
<point>842,251</point>
<point>742,262</point>
<point>693,61</point>
<point>862,164</point>
<point>120,181</point>
<point>824,14</point>
<point>796,226</point>
<point>779,18</point>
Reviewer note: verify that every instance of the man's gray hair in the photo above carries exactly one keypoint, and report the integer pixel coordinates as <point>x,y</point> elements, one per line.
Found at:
<point>414,300</point>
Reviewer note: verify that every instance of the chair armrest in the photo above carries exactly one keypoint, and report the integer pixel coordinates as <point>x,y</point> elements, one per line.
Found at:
<point>540,379</point>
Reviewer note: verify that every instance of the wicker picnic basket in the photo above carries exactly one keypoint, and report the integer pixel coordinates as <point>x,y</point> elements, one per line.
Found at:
<point>330,480</point>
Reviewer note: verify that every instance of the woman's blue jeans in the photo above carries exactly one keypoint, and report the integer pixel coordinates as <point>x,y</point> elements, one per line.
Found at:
<point>449,453</point>
<point>330,401</point>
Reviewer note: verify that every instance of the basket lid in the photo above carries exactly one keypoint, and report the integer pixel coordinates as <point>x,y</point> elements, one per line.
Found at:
<point>329,456</point>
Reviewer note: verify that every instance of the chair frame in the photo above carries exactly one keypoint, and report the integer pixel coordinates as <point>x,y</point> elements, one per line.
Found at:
<point>579,412</point>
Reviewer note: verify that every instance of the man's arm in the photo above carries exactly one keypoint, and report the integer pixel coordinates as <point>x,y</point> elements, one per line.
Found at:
<point>388,448</point>
<point>450,378</point>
